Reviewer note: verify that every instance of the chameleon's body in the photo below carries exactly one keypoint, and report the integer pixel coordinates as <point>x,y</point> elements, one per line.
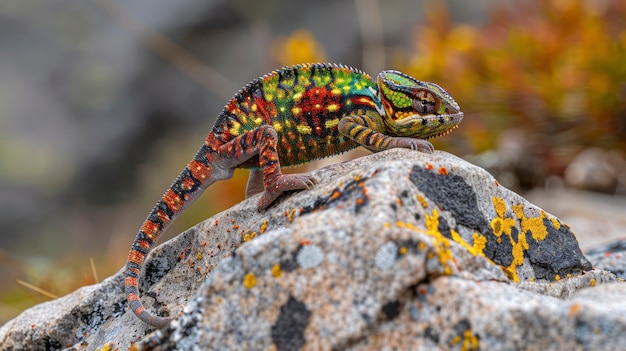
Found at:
<point>291,116</point>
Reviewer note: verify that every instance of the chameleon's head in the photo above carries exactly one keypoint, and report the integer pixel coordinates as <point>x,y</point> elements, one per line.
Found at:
<point>416,109</point>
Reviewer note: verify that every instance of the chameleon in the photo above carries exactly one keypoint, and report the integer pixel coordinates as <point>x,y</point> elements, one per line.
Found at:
<point>291,116</point>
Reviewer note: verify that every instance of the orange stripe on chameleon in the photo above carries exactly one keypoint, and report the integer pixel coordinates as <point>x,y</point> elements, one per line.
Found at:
<point>131,281</point>
<point>150,228</point>
<point>173,201</point>
<point>144,244</point>
<point>136,256</point>
<point>187,184</point>
<point>199,171</point>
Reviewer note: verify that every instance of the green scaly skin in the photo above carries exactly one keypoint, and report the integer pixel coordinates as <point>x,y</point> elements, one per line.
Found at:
<point>291,116</point>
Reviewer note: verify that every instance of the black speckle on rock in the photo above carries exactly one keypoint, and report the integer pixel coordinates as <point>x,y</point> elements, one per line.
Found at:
<point>288,330</point>
<point>444,228</point>
<point>52,344</point>
<point>501,252</point>
<point>391,309</point>
<point>119,308</point>
<point>558,253</point>
<point>453,194</point>
<point>155,269</point>
<point>432,334</point>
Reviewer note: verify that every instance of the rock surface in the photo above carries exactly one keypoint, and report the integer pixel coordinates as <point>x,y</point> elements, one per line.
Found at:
<point>399,249</point>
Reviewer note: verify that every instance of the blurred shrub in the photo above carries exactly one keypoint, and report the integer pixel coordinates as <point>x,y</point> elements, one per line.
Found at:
<point>556,69</point>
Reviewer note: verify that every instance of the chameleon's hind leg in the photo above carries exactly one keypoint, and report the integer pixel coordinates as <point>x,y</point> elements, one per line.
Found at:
<point>255,183</point>
<point>262,141</point>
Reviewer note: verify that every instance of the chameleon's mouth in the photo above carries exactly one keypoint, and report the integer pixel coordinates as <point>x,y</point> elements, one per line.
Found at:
<point>444,132</point>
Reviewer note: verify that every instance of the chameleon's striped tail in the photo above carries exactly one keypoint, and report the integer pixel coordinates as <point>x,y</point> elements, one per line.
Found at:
<point>186,188</point>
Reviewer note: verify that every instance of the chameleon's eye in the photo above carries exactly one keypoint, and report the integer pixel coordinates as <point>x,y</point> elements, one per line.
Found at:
<point>425,102</point>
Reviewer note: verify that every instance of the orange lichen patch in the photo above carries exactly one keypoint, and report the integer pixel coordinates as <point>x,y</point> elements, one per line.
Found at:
<point>236,227</point>
<point>305,242</point>
<point>443,170</point>
<point>574,309</point>
<point>248,236</point>
<point>249,281</point>
<point>217,222</point>
<point>440,242</point>
<point>499,224</point>
<point>360,201</point>
<point>335,195</point>
<point>535,225</point>
<point>276,271</point>
<point>398,201</point>
<point>477,248</point>
<point>429,166</point>
<point>470,341</point>
<point>555,223</point>
<point>496,181</point>
<point>291,215</point>
<point>263,227</point>
<point>422,201</point>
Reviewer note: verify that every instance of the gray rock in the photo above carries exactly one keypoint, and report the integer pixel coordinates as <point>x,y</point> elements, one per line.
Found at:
<point>399,249</point>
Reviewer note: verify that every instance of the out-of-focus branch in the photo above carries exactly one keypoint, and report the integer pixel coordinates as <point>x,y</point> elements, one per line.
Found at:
<point>170,51</point>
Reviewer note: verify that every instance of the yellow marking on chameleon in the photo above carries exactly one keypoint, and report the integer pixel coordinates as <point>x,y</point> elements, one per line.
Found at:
<point>317,106</point>
<point>303,129</point>
<point>346,87</point>
<point>331,123</point>
<point>282,109</point>
<point>335,91</point>
<point>235,129</point>
<point>296,111</point>
<point>297,96</point>
<point>249,281</point>
<point>258,121</point>
<point>254,107</point>
<point>269,97</point>
<point>332,107</point>
<point>277,127</point>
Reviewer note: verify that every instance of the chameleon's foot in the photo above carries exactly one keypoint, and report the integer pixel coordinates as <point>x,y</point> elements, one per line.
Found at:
<point>413,144</point>
<point>286,182</point>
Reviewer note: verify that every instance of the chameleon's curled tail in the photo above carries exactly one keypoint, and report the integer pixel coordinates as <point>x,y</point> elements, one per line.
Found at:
<point>186,188</point>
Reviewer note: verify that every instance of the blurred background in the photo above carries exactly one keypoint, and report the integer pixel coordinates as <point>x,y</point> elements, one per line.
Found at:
<point>103,102</point>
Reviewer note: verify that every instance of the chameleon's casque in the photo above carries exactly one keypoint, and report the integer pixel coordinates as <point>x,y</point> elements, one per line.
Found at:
<point>290,116</point>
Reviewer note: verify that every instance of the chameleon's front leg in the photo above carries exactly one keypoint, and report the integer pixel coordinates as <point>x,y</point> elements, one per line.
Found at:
<point>262,141</point>
<point>364,130</point>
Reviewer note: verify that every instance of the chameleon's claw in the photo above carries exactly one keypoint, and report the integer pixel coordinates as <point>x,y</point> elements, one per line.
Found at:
<point>413,144</point>
<point>286,182</point>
